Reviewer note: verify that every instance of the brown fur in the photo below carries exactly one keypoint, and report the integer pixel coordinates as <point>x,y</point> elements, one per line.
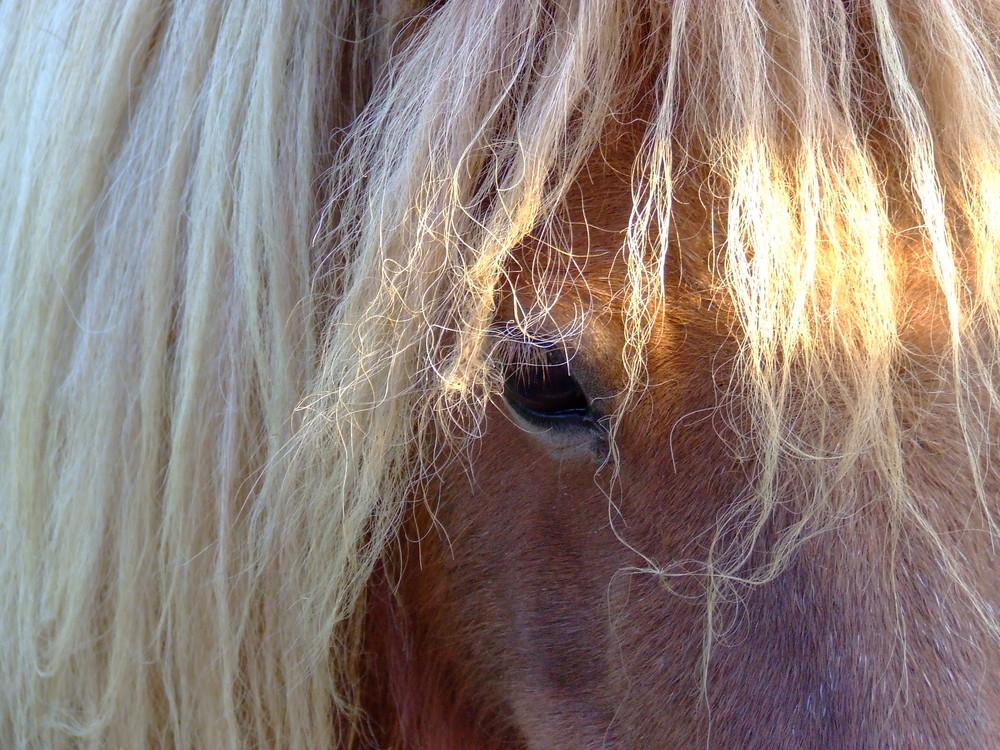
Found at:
<point>523,620</point>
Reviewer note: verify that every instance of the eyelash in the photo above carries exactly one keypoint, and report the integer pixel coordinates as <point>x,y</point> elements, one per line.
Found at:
<point>539,386</point>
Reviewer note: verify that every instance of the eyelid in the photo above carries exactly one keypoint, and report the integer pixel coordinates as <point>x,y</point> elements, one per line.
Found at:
<point>561,403</point>
<point>581,430</point>
<point>546,390</point>
<point>514,344</point>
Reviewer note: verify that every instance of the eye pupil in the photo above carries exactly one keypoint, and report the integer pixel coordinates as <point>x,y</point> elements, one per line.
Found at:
<point>545,389</point>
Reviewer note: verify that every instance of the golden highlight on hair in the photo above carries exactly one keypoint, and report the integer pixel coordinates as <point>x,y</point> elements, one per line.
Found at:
<point>252,256</point>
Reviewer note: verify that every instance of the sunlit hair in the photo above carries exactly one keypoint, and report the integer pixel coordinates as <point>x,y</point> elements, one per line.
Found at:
<point>251,260</point>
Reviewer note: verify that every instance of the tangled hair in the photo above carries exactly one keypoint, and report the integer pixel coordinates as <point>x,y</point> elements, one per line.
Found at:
<point>252,255</point>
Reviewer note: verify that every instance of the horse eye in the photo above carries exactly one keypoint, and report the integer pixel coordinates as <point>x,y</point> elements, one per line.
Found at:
<point>546,392</point>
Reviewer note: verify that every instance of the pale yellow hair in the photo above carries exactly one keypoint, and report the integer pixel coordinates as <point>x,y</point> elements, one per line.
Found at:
<point>222,373</point>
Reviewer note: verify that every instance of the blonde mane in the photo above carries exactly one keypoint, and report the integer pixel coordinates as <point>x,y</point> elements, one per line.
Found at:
<point>252,255</point>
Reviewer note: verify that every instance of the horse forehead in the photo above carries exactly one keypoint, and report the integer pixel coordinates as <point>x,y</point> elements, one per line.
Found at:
<point>583,247</point>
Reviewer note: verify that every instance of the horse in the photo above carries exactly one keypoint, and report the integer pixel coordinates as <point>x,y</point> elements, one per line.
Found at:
<point>496,374</point>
